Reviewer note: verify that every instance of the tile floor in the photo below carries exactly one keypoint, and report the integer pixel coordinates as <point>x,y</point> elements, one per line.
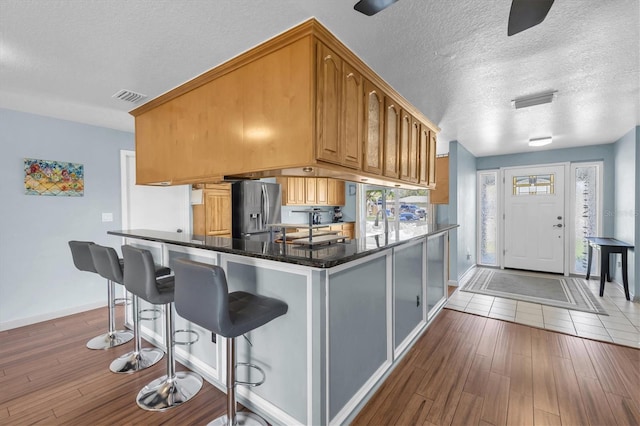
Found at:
<point>621,326</point>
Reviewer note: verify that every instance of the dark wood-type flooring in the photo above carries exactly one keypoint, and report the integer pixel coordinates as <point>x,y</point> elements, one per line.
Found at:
<point>465,370</point>
<point>472,370</point>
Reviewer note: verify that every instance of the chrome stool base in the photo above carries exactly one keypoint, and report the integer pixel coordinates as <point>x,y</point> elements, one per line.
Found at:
<point>110,340</point>
<point>162,394</point>
<point>136,361</point>
<point>242,419</point>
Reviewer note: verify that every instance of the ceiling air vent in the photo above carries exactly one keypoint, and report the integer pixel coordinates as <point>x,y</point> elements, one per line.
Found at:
<point>129,96</point>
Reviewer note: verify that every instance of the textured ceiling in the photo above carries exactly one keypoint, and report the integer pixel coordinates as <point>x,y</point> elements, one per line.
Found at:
<point>451,58</point>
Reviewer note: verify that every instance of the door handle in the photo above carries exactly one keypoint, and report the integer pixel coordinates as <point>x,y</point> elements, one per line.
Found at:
<point>558,225</point>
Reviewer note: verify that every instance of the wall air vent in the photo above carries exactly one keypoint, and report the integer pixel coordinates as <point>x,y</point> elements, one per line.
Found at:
<point>129,96</point>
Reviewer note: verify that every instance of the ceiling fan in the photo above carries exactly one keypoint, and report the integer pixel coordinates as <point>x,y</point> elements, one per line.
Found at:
<point>525,14</point>
<point>371,7</point>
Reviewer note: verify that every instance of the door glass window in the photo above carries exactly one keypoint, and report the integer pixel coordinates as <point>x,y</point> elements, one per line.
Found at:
<point>488,218</point>
<point>533,185</point>
<point>585,213</point>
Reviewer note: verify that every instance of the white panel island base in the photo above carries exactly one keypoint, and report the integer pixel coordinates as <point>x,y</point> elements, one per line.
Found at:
<point>346,328</point>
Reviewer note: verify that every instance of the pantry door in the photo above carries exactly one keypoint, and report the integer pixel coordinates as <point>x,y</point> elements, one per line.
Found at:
<point>534,218</point>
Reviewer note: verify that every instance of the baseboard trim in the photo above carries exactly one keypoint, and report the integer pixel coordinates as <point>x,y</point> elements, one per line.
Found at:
<point>466,273</point>
<point>9,325</point>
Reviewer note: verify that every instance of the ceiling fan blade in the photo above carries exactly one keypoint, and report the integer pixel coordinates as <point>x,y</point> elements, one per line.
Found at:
<point>525,14</point>
<point>371,7</point>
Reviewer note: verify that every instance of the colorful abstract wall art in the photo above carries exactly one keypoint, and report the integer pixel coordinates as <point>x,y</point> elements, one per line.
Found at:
<point>44,177</point>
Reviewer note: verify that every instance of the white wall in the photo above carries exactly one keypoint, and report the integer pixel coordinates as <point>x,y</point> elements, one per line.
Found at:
<point>38,280</point>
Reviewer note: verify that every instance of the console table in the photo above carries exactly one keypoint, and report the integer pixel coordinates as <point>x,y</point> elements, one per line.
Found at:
<point>609,246</point>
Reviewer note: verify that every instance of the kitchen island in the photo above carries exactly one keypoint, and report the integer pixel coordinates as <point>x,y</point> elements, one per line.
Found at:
<point>354,309</point>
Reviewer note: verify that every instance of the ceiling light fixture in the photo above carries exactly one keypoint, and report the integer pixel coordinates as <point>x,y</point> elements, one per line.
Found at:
<point>540,141</point>
<point>532,100</point>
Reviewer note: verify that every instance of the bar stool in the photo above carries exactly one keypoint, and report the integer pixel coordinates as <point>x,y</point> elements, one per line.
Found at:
<point>202,297</point>
<point>174,388</point>
<point>83,261</point>
<point>108,265</point>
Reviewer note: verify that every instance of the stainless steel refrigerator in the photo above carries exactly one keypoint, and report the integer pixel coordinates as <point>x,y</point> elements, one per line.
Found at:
<point>255,204</point>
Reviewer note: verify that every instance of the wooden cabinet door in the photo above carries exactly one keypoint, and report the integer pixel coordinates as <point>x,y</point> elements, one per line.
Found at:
<point>391,138</point>
<point>423,155</point>
<point>440,195</point>
<point>348,230</point>
<point>414,143</point>
<point>310,191</point>
<point>293,191</point>
<point>351,141</point>
<point>409,133</point>
<point>373,128</point>
<point>322,191</point>
<point>432,159</point>
<point>335,189</point>
<point>217,204</point>
<point>329,80</point>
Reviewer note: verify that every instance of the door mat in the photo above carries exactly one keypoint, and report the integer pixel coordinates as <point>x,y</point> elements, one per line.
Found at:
<point>562,292</point>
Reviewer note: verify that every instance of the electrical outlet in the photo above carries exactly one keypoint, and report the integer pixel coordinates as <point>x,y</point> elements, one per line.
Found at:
<point>107,217</point>
<point>619,264</point>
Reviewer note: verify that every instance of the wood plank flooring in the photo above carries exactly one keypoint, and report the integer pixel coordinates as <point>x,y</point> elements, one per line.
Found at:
<point>465,370</point>
<point>472,370</point>
<point>48,376</point>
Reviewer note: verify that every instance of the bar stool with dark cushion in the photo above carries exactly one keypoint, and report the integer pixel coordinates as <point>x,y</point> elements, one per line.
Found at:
<point>174,388</point>
<point>110,267</point>
<point>84,262</point>
<point>202,297</point>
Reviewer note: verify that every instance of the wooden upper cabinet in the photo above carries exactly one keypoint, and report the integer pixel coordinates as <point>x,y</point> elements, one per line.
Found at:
<point>440,195</point>
<point>409,132</point>
<point>423,155</point>
<point>339,126</point>
<point>335,192</point>
<point>414,143</point>
<point>300,100</point>
<point>373,128</point>
<point>297,191</point>
<point>432,158</point>
<point>351,141</point>
<point>391,138</point>
<point>329,114</point>
<point>322,195</point>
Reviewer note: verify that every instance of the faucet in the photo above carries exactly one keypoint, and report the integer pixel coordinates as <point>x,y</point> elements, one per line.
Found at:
<point>376,223</point>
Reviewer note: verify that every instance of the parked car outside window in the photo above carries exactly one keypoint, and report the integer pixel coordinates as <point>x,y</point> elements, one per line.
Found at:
<point>406,216</point>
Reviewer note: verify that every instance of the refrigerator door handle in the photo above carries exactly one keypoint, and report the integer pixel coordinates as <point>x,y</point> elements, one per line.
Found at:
<point>265,206</point>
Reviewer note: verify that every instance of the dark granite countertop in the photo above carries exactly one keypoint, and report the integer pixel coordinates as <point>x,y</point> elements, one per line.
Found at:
<point>320,257</point>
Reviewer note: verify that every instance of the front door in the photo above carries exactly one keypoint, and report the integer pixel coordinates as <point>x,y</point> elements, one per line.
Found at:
<point>534,225</point>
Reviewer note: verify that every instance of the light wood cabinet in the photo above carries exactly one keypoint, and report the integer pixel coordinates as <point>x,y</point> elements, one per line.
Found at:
<point>329,113</point>
<point>312,191</point>
<point>373,128</point>
<point>299,105</point>
<point>335,192</point>
<point>311,194</point>
<point>339,95</point>
<point>293,191</point>
<point>440,195</point>
<point>427,158</point>
<point>409,134</point>
<point>322,194</point>
<point>351,113</point>
<point>213,216</point>
<point>391,138</point>
<point>349,230</point>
